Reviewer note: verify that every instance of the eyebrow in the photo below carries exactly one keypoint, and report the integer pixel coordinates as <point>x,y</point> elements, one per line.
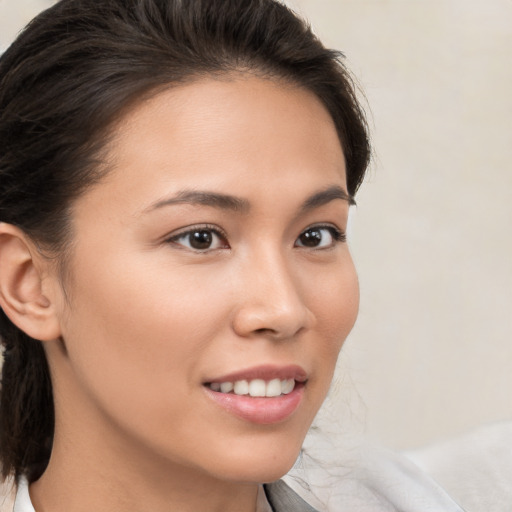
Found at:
<point>213,199</point>
<point>326,196</point>
<point>238,204</point>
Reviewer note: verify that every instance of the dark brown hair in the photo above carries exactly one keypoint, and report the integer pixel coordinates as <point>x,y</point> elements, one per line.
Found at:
<point>68,77</point>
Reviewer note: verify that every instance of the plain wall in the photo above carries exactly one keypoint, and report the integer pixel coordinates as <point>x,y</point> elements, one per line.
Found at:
<point>431,354</point>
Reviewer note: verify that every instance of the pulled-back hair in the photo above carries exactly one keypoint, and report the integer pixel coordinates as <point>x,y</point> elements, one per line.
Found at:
<point>63,83</point>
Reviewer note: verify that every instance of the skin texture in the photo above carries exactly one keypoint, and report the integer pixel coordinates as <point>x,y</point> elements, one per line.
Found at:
<point>145,319</point>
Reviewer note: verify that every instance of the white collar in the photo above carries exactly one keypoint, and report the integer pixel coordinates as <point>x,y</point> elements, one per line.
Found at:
<point>24,504</point>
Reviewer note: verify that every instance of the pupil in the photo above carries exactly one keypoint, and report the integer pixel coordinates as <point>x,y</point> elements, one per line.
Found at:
<point>201,239</point>
<point>311,238</point>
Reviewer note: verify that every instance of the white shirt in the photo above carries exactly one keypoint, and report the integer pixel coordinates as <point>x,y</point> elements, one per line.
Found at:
<point>24,504</point>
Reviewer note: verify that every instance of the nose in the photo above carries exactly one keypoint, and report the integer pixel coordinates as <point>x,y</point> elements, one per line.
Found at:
<point>270,301</point>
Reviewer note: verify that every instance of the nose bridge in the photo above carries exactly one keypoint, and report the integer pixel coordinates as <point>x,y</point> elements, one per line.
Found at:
<point>271,301</point>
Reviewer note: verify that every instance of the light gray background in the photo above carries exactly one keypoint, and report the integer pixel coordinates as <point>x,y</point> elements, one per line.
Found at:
<point>431,354</point>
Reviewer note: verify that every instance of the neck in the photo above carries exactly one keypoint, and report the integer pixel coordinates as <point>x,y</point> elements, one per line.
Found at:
<point>108,474</point>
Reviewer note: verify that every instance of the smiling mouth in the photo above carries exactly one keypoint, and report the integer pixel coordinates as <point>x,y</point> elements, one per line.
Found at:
<point>263,395</point>
<point>255,387</point>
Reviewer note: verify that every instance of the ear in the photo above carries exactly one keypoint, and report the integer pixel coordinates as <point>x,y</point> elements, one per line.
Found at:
<point>22,269</point>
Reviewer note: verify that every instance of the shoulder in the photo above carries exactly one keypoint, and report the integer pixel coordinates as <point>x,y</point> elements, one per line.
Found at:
<point>475,468</point>
<point>283,499</point>
<point>368,479</point>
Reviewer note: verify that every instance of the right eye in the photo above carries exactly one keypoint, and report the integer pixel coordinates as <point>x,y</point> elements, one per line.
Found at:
<point>200,239</point>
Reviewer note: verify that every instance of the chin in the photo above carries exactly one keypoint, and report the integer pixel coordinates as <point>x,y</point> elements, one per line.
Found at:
<point>263,474</point>
<point>259,465</point>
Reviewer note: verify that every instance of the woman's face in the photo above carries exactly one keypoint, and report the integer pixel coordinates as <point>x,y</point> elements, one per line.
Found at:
<point>211,257</point>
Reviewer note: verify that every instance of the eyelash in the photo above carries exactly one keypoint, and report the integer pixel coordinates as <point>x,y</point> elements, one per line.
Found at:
<point>337,235</point>
<point>204,228</point>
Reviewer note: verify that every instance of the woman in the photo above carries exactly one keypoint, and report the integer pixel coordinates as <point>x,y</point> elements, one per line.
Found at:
<point>175,283</point>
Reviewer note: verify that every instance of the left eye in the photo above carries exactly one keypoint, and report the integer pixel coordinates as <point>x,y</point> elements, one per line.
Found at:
<point>320,237</point>
<point>201,239</point>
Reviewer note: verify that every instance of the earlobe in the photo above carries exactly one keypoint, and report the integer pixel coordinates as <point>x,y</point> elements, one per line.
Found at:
<point>21,291</point>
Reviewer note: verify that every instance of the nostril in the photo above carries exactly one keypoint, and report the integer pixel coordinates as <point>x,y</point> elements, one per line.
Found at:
<point>264,331</point>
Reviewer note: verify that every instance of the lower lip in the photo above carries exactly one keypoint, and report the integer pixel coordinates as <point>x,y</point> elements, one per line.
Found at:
<point>262,411</point>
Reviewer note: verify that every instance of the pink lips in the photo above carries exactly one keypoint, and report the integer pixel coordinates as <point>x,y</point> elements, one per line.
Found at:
<point>264,410</point>
<point>265,373</point>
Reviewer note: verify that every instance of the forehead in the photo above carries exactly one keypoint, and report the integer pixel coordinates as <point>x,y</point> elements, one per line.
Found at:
<point>218,134</point>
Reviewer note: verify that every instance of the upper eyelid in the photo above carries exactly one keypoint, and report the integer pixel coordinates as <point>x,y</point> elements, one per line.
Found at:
<point>197,227</point>
<point>322,225</point>
<point>325,225</point>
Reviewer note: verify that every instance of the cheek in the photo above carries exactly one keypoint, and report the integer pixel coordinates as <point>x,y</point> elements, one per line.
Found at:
<point>337,298</point>
<point>130,331</point>
<point>336,306</point>
<point>136,347</point>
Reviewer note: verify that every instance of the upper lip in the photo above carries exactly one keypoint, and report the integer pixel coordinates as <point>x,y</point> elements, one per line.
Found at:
<point>265,372</point>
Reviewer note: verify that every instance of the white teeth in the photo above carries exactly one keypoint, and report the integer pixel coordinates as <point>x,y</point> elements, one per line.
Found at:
<point>274,388</point>
<point>241,387</point>
<point>287,386</point>
<point>226,387</point>
<point>256,387</point>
